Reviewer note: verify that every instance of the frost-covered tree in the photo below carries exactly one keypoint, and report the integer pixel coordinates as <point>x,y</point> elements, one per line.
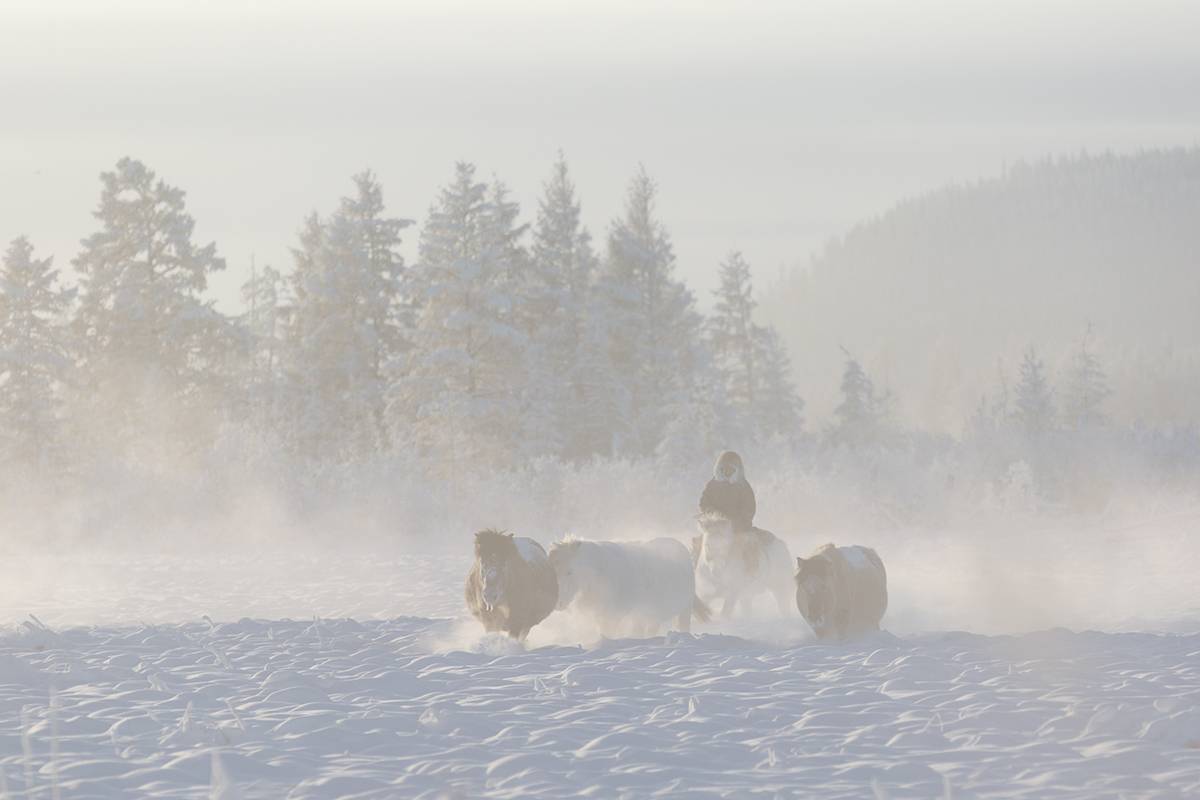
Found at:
<point>778,409</point>
<point>570,382</point>
<point>750,359</point>
<point>733,335</point>
<point>600,407</point>
<point>345,327</point>
<point>33,357</point>
<point>262,325</point>
<point>863,414</point>
<point>1033,408</point>
<point>656,342</point>
<point>384,306</point>
<point>561,262</point>
<point>152,351</point>
<point>262,297</point>
<point>459,399</point>
<point>1087,388</point>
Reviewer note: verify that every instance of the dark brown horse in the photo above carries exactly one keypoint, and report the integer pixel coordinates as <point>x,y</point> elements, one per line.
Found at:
<point>511,586</point>
<point>841,591</point>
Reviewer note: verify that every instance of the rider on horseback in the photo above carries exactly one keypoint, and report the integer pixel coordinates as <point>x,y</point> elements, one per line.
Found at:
<point>734,559</point>
<point>728,494</point>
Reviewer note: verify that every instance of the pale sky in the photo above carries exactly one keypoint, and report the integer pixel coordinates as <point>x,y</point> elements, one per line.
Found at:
<point>769,126</point>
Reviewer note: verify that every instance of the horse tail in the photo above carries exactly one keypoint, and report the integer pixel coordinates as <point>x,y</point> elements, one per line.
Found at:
<point>699,610</point>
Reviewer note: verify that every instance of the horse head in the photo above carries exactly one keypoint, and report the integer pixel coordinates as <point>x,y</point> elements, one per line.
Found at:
<point>815,591</point>
<point>717,539</point>
<point>493,550</point>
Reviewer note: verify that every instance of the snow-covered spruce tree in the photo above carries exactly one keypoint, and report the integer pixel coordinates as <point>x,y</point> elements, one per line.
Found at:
<point>862,416</point>
<point>732,333</point>
<point>597,417</point>
<point>262,324</point>
<point>568,378</point>
<point>385,306</point>
<point>345,328</point>
<point>1033,408</point>
<point>152,352</point>
<point>749,358</point>
<point>778,409</point>
<point>33,358</point>
<point>458,402</point>
<point>655,328</point>
<point>1087,388</point>
<point>348,324</point>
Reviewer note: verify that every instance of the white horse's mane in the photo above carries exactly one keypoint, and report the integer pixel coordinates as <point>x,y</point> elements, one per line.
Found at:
<point>569,540</point>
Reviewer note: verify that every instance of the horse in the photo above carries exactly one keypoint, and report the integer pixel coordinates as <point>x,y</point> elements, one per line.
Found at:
<point>841,591</point>
<point>740,566</point>
<point>511,586</point>
<point>628,587</point>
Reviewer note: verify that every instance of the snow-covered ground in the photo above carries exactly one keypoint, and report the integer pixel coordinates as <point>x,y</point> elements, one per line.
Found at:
<point>330,676</point>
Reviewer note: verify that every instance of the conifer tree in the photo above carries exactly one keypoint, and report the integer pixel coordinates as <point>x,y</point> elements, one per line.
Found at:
<point>1087,388</point>
<point>778,409</point>
<point>33,357</point>
<point>1033,408</point>
<point>570,376</point>
<point>863,414</point>
<point>459,400</point>
<point>733,334</point>
<point>345,327</point>
<point>263,327</point>
<point>152,351</point>
<point>381,288</point>
<point>655,327</point>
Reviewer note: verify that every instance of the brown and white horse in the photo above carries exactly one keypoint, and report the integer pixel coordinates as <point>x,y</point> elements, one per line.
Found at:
<point>841,591</point>
<point>511,586</point>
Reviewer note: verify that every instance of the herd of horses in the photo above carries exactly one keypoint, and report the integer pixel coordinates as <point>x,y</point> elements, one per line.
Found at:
<point>635,588</point>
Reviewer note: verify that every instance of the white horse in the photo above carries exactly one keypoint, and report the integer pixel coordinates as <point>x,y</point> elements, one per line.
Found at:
<point>628,587</point>
<point>740,566</point>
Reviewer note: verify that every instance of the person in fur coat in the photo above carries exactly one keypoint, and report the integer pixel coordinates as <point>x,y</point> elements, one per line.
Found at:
<point>728,494</point>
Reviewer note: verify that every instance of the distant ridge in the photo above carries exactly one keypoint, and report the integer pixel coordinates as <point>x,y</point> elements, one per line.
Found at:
<point>930,294</point>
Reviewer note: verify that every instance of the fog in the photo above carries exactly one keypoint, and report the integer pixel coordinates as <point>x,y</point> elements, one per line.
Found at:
<point>780,132</point>
<point>771,127</point>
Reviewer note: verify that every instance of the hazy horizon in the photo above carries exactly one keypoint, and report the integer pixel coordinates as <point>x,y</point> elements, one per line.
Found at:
<point>769,129</point>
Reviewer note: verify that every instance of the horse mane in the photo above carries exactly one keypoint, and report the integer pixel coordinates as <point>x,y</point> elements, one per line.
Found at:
<point>490,540</point>
<point>568,544</point>
<point>820,562</point>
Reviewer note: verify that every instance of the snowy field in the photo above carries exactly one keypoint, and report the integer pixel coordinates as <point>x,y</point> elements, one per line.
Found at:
<point>353,676</point>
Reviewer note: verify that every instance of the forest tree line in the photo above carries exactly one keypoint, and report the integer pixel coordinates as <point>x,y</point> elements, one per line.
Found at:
<point>505,341</point>
<point>503,344</point>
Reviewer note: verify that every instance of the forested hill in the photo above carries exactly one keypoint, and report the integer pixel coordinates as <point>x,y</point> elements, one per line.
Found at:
<point>933,293</point>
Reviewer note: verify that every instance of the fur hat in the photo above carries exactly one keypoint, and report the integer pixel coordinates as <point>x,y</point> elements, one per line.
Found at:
<point>729,467</point>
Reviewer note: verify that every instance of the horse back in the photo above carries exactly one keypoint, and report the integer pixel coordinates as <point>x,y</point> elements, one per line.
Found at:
<point>868,579</point>
<point>534,591</point>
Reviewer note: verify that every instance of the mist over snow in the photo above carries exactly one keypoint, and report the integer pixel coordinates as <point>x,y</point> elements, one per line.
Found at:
<point>297,298</point>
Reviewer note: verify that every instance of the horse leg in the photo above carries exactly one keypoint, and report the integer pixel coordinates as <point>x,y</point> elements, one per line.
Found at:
<point>684,623</point>
<point>729,606</point>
